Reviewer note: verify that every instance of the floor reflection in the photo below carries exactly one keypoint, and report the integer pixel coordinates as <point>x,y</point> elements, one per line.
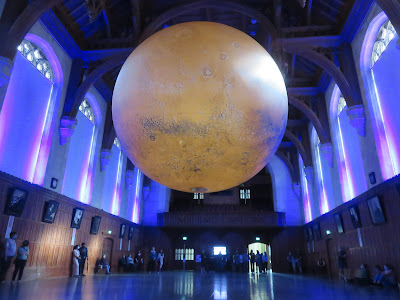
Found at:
<point>190,285</point>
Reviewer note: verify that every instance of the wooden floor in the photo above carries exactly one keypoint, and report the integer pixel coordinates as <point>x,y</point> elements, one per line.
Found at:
<point>189,285</point>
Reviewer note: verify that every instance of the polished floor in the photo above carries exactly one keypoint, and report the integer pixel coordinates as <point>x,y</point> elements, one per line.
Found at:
<point>189,285</point>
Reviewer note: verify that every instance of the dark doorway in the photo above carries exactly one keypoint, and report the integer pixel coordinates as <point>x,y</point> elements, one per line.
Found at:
<point>107,249</point>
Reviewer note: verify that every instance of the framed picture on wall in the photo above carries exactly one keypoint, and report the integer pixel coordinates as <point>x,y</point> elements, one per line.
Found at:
<point>122,231</point>
<point>130,234</point>
<point>317,231</point>
<point>355,216</point>
<point>95,225</point>
<point>77,216</point>
<point>376,211</point>
<point>339,223</point>
<point>310,234</point>
<point>15,202</point>
<point>50,211</point>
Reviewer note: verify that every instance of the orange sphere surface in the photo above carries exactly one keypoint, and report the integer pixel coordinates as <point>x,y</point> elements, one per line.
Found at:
<point>200,107</point>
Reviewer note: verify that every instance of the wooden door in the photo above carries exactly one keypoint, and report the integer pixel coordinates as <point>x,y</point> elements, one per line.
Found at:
<point>107,249</point>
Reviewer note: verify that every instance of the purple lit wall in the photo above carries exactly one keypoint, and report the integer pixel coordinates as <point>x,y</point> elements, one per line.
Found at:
<point>285,199</point>
<point>350,164</point>
<point>386,75</point>
<point>22,120</point>
<point>155,200</point>
<point>305,191</point>
<point>112,181</point>
<point>77,183</point>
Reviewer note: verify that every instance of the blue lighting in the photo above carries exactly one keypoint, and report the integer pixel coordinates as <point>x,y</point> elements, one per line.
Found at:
<point>165,26</point>
<point>253,33</point>
<point>253,21</point>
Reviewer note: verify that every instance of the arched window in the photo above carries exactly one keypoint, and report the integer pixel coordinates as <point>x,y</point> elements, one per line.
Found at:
<point>349,156</point>
<point>28,111</point>
<point>380,69</point>
<point>87,110</point>
<point>80,166</point>
<point>384,37</point>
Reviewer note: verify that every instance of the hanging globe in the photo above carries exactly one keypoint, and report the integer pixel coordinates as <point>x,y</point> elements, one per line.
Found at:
<point>200,107</point>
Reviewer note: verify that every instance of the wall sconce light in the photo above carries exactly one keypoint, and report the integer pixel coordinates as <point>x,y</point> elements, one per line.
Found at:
<point>184,238</point>
<point>328,232</point>
<point>109,232</point>
<point>257,238</point>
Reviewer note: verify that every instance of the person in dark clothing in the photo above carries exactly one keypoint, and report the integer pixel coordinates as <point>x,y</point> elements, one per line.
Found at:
<point>84,255</point>
<point>258,261</point>
<point>342,263</point>
<point>152,260</point>
<point>20,261</point>
<point>252,260</point>
<point>138,264</point>
<point>8,252</point>
<point>203,261</point>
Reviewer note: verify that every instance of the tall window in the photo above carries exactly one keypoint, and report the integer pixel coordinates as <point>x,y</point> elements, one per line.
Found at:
<point>305,193</point>
<point>350,163</point>
<point>113,180</point>
<point>380,63</point>
<point>79,170</point>
<point>27,112</point>
<point>322,184</point>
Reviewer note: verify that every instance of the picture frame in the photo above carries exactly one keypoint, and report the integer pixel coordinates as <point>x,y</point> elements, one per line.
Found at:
<point>15,202</point>
<point>310,234</point>
<point>77,216</point>
<point>130,233</point>
<point>355,216</point>
<point>50,211</point>
<point>317,231</point>
<point>376,211</point>
<point>122,231</point>
<point>339,223</point>
<point>95,225</point>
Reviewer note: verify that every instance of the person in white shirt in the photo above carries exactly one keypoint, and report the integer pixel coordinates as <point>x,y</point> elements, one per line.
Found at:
<point>7,255</point>
<point>160,259</point>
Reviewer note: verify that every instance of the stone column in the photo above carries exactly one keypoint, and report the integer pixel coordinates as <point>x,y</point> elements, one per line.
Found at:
<point>67,127</point>
<point>326,153</point>
<point>105,157</point>
<point>309,171</point>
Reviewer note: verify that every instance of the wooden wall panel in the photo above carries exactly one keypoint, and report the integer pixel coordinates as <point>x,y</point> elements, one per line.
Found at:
<point>50,249</point>
<point>380,242</point>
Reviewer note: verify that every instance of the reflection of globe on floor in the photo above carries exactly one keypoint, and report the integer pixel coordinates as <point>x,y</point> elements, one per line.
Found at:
<point>200,107</point>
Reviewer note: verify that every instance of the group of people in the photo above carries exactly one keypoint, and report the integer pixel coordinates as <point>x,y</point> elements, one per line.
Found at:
<point>237,262</point>
<point>79,257</point>
<point>295,263</point>
<point>8,251</point>
<point>130,264</point>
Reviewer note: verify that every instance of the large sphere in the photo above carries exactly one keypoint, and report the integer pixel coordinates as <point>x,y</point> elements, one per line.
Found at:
<point>200,107</point>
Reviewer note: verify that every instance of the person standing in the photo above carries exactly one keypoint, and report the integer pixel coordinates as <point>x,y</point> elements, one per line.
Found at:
<point>265,262</point>
<point>75,261</point>
<point>203,261</point>
<point>84,255</point>
<point>252,260</point>
<point>160,259</point>
<point>138,261</point>
<point>7,255</point>
<point>258,261</point>
<point>20,261</point>
<point>342,263</point>
<point>153,259</point>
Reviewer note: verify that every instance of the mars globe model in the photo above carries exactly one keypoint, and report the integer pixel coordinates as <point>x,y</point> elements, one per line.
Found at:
<point>200,107</point>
